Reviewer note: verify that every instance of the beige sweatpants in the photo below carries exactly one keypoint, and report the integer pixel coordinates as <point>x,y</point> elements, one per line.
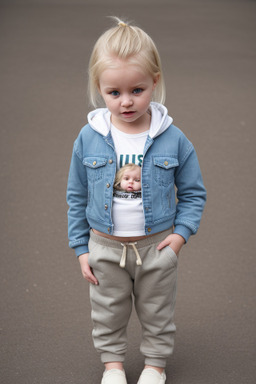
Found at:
<point>153,285</point>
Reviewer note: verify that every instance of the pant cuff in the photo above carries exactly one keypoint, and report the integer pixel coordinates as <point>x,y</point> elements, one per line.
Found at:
<point>108,357</point>
<point>155,362</point>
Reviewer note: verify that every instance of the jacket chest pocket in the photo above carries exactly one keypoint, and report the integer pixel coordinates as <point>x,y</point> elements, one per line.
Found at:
<point>95,167</point>
<point>164,168</point>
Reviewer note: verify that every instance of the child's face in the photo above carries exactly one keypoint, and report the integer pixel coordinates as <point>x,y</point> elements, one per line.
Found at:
<point>127,91</point>
<point>131,180</point>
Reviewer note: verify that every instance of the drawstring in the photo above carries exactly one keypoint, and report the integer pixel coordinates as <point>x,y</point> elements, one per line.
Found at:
<point>123,258</point>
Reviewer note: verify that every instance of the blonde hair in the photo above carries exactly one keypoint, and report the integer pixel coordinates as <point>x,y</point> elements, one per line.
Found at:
<point>120,173</point>
<point>125,42</point>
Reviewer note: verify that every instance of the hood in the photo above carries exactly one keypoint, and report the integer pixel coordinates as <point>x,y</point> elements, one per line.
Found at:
<point>99,120</point>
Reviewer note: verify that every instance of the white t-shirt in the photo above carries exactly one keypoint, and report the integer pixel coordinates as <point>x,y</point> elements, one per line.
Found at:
<point>127,211</point>
<point>127,214</point>
<point>129,147</point>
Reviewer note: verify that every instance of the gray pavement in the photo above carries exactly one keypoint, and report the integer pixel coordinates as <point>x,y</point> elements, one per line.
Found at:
<point>208,52</point>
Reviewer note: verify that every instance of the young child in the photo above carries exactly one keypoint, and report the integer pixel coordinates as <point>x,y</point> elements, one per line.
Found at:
<point>128,178</point>
<point>125,73</point>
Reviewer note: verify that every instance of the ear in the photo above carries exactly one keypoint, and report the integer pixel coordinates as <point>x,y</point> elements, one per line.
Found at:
<point>155,80</point>
<point>98,88</point>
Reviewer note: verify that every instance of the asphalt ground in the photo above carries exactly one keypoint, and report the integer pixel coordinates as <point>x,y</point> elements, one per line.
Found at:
<point>208,53</point>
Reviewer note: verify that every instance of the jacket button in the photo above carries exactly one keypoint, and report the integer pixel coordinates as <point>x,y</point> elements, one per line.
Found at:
<point>149,229</point>
<point>106,206</point>
<point>110,161</point>
<point>108,229</point>
<point>94,163</point>
<point>166,162</point>
<point>108,185</point>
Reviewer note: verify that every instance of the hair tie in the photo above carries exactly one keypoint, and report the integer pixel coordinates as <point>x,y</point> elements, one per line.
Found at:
<point>122,24</point>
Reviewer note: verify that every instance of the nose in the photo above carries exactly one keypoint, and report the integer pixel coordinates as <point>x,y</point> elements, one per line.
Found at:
<point>126,101</point>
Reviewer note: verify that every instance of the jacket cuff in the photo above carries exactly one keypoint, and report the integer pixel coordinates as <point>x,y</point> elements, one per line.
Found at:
<point>183,231</point>
<point>81,249</point>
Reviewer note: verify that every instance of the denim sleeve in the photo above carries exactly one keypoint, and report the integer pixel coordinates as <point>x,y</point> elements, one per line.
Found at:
<point>78,227</point>
<point>191,193</point>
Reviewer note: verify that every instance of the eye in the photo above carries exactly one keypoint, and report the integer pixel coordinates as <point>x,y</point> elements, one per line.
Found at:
<point>114,93</point>
<point>137,91</point>
<point>137,180</point>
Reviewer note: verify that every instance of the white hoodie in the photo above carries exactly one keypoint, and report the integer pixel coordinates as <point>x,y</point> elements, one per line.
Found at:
<point>100,121</point>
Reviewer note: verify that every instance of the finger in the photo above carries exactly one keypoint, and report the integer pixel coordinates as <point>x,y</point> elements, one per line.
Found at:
<point>163,244</point>
<point>89,276</point>
<point>92,281</point>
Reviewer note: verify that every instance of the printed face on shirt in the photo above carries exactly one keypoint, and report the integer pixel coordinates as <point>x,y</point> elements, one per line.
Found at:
<point>127,91</point>
<point>131,180</point>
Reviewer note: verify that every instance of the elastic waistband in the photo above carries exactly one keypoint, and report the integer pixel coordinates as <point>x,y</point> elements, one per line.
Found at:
<point>157,238</point>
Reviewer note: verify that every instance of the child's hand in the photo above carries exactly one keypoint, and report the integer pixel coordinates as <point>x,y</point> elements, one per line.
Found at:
<point>86,269</point>
<point>174,241</point>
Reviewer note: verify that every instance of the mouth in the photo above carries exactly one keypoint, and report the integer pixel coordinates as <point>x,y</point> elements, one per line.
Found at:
<point>130,188</point>
<point>128,113</point>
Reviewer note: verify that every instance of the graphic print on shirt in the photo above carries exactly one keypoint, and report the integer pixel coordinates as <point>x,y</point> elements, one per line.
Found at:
<point>129,147</point>
<point>127,195</point>
<point>129,158</point>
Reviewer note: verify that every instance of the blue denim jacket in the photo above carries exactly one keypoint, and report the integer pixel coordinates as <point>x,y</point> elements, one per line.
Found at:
<point>169,161</point>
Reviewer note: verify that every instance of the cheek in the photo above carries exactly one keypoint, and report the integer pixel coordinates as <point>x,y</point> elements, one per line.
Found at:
<point>146,100</point>
<point>110,103</point>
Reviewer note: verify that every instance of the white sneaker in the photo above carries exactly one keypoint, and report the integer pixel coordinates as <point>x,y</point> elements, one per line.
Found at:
<point>151,376</point>
<point>114,376</point>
